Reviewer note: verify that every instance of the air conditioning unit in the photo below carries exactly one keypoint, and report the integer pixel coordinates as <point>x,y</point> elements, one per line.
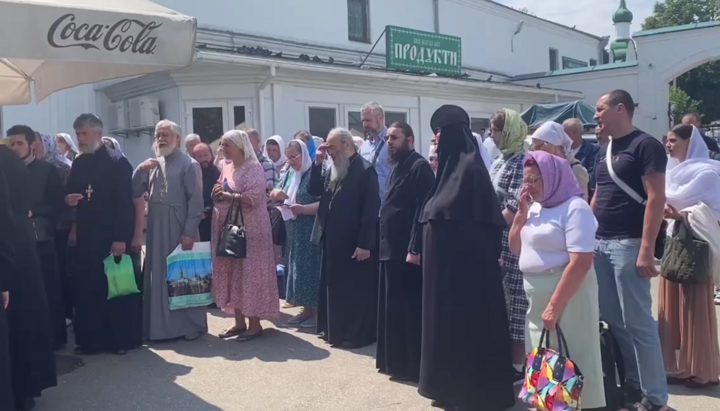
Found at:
<point>144,112</point>
<point>118,116</point>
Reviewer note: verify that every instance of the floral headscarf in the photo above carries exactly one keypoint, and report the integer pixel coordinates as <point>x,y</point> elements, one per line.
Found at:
<point>52,152</point>
<point>514,133</point>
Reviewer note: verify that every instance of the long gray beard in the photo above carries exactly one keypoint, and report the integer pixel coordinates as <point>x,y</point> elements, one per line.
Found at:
<point>338,170</point>
<point>90,149</point>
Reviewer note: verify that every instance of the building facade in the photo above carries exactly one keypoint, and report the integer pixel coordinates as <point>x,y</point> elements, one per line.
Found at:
<point>281,66</point>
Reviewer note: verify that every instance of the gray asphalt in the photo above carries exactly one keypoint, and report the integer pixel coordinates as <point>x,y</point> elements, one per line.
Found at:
<point>282,371</point>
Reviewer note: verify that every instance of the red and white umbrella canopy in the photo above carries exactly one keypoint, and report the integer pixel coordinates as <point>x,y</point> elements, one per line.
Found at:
<point>58,44</point>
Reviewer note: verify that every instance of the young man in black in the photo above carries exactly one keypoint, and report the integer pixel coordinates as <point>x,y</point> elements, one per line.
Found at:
<point>629,202</point>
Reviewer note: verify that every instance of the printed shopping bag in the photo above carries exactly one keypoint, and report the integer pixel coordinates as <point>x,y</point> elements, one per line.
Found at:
<point>120,274</point>
<point>189,277</point>
<point>553,382</point>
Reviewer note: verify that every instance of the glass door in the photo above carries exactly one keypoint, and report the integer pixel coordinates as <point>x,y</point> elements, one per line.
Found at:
<point>239,114</point>
<point>208,119</point>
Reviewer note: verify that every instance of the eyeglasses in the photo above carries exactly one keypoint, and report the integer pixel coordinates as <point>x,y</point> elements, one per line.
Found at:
<point>531,180</point>
<point>295,157</point>
<point>538,146</point>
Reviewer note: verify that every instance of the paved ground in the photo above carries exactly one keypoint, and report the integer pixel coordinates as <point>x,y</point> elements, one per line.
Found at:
<point>285,370</point>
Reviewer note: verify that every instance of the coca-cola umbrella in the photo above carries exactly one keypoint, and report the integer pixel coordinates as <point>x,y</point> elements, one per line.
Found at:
<point>58,44</point>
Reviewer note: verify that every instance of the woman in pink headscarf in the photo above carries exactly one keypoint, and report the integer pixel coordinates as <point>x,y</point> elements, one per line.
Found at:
<point>554,235</point>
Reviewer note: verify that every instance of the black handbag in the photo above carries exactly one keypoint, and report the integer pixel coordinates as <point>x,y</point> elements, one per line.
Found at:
<point>42,229</point>
<point>687,259</point>
<point>232,242</point>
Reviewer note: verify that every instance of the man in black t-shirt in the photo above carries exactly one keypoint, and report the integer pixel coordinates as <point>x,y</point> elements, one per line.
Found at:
<point>629,210</point>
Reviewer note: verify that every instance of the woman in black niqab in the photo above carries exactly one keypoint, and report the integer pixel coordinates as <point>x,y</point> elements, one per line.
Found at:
<point>466,359</point>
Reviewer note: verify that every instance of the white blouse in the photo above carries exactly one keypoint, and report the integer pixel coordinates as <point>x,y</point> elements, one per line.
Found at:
<point>551,233</point>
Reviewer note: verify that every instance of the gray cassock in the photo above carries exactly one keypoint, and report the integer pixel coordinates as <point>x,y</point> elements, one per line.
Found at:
<point>174,209</point>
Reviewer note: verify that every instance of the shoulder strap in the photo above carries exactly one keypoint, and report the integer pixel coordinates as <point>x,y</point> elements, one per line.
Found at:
<point>624,187</point>
<point>377,151</point>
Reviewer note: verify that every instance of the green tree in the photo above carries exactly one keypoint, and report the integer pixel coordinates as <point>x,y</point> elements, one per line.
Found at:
<point>682,104</point>
<point>524,10</point>
<point>702,83</point>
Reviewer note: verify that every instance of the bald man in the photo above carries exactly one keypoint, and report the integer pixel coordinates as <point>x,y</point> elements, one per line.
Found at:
<point>584,151</point>
<point>693,119</point>
<point>210,175</point>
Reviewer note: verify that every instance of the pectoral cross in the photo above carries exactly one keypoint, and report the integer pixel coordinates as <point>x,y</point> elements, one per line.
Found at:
<point>89,192</point>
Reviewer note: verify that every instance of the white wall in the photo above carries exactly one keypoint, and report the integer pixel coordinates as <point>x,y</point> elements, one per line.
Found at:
<point>486,31</point>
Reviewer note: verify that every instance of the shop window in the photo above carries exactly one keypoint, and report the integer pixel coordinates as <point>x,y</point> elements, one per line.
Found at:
<point>355,121</point>
<point>321,120</point>
<point>554,59</point>
<point>359,20</point>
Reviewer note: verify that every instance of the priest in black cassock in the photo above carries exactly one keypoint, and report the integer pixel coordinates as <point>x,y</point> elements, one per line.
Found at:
<point>347,217</point>
<point>210,175</point>
<point>400,304</point>
<point>466,361</point>
<point>100,187</point>
<point>47,201</point>
<point>7,262</point>
<point>32,363</point>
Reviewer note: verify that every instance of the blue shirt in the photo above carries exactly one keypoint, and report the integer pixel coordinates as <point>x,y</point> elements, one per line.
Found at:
<point>382,164</point>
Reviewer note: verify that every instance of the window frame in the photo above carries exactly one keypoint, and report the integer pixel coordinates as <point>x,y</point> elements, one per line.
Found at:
<point>309,106</point>
<point>368,35</point>
<point>353,109</point>
<point>554,61</point>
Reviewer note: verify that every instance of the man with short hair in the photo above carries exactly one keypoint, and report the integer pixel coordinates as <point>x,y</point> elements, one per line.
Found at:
<point>374,150</point>
<point>583,150</point>
<point>173,182</point>
<point>401,277</point>
<point>210,176</point>
<point>191,141</point>
<point>347,226</point>
<point>271,174</point>
<point>693,119</point>
<point>625,247</point>
<point>100,188</point>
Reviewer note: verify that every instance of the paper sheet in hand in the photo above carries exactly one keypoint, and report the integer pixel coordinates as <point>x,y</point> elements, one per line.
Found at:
<point>285,212</point>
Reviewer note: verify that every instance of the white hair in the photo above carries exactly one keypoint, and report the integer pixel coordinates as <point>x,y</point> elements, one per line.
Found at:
<point>192,137</point>
<point>374,107</point>
<point>344,134</point>
<point>241,139</point>
<point>173,126</point>
<point>359,141</point>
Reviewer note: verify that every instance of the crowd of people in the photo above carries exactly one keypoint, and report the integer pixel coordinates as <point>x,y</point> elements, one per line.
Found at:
<point>377,243</point>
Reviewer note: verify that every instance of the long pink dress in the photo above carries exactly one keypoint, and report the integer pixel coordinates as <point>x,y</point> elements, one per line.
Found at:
<point>250,284</point>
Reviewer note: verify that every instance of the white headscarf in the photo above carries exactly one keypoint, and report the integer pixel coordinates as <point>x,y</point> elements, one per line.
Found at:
<point>281,143</point>
<point>70,142</point>
<point>694,180</point>
<point>242,141</point>
<point>483,151</point>
<point>113,142</point>
<point>553,133</point>
<point>298,174</point>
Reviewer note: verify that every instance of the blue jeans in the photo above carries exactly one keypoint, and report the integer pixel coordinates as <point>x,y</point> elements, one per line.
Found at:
<point>626,305</point>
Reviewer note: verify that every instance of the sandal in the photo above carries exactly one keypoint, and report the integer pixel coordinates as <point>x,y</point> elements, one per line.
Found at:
<point>288,305</point>
<point>646,405</point>
<point>232,332</point>
<point>248,337</point>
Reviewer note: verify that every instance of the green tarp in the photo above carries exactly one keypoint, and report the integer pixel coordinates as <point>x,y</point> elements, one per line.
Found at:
<point>541,113</point>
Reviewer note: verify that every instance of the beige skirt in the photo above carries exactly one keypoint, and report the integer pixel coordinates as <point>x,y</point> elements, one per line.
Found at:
<point>579,323</point>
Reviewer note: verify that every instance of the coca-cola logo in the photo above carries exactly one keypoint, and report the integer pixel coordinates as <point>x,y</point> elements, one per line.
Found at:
<point>125,36</point>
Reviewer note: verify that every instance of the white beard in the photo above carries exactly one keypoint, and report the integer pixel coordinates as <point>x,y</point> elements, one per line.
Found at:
<point>90,149</point>
<point>338,170</point>
<point>164,151</point>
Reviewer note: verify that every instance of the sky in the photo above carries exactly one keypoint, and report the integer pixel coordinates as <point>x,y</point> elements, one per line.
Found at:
<point>592,16</point>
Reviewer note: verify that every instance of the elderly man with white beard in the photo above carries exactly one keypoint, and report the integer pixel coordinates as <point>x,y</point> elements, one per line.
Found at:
<point>347,219</point>
<point>173,182</point>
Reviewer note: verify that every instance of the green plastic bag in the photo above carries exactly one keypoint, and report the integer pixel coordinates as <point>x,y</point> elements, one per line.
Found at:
<point>120,276</point>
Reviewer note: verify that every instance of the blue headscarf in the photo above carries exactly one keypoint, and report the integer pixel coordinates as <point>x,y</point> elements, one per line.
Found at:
<point>311,147</point>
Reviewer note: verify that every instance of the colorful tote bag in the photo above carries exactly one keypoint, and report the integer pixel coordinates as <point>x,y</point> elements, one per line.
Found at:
<point>553,382</point>
<point>189,277</point>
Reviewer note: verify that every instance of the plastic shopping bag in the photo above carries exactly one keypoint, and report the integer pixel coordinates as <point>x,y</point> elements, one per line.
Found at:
<point>189,277</point>
<point>120,275</point>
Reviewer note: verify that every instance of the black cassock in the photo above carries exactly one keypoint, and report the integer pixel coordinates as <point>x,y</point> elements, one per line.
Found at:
<point>347,219</point>
<point>31,351</point>
<point>105,215</point>
<point>46,205</point>
<point>400,291</point>
<point>210,176</point>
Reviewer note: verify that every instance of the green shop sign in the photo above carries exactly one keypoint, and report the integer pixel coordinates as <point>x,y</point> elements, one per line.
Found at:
<point>422,51</point>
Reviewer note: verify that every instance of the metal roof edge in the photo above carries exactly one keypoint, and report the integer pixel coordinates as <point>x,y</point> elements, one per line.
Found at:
<point>580,70</point>
<point>676,29</point>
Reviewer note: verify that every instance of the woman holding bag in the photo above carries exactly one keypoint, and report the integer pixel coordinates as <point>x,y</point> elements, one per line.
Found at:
<point>555,239</point>
<point>686,312</point>
<point>246,287</point>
